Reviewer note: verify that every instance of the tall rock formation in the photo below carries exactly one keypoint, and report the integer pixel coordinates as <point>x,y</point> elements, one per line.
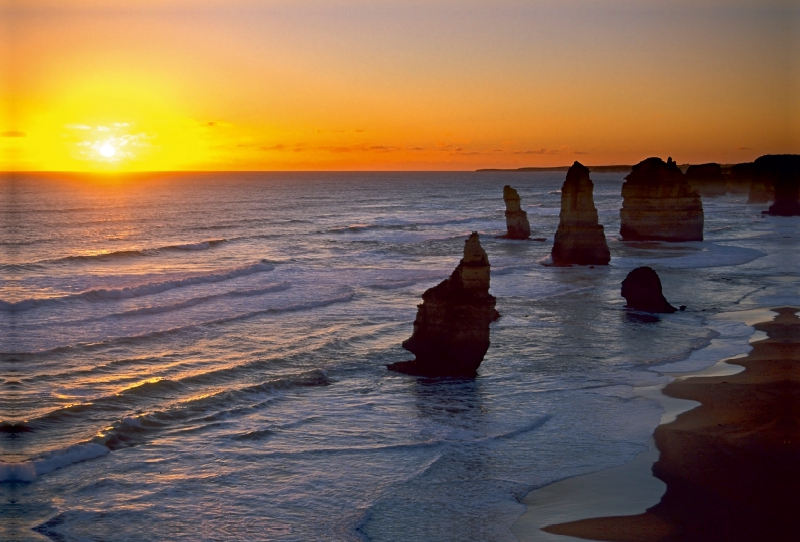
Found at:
<point>516,219</point>
<point>707,180</point>
<point>642,291</point>
<point>740,178</point>
<point>659,205</point>
<point>783,172</point>
<point>451,331</point>
<point>579,239</point>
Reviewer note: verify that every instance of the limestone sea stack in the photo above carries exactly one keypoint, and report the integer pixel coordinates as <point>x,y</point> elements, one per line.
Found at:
<point>579,239</point>
<point>451,331</point>
<point>707,180</point>
<point>740,178</point>
<point>783,172</point>
<point>642,291</point>
<point>659,205</point>
<point>516,219</point>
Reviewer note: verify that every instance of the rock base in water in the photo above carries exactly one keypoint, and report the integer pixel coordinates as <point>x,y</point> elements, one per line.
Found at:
<point>580,239</point>
<point>642,290</point>
<point>451,331</point>
<point>516,219</point>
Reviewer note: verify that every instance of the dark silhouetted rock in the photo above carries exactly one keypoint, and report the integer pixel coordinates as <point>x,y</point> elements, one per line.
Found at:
<point>783,172</point>
<point>451,331</point>
<point>740,178</point>
<point>579,239</point>
<point>516,219</point>
<point>659,205</point>
<point>642,291</point>
<point>707,180</point>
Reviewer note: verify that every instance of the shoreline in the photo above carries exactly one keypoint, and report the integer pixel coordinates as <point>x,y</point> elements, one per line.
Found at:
<point>631,488</point>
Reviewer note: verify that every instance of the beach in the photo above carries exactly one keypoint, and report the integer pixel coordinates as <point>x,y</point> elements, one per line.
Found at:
<point>729,464</point>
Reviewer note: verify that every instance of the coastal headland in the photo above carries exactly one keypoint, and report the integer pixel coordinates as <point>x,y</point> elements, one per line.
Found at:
<point>730,465</point>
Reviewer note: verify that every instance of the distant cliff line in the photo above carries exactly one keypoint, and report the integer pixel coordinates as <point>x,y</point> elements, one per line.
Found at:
<point>599,169</point>
<point>726,168</point>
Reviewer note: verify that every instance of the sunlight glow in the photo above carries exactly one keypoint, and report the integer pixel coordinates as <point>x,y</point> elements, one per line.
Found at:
<point>107,150</point>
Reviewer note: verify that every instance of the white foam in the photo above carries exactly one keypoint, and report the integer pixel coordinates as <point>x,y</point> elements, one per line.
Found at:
<point>28,471</point>
<point>733,340</point>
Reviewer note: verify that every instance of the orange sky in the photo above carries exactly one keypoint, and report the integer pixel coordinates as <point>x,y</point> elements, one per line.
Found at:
<point>356,84</point>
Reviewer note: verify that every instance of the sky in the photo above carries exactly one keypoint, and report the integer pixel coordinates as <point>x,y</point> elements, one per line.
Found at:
<point>91,85</point>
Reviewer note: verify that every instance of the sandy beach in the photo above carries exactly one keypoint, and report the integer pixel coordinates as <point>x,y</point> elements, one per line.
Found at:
<point>730,465</point>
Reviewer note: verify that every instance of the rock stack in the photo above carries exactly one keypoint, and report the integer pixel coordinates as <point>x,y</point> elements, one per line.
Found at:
<point>516,219</point>
<point>740,178</point>
<point>642,291</point>
<point>707,180</point>
<point>579,239</point>
<point>659,205</point>
<point>782,171</point>
<point>451,331</point>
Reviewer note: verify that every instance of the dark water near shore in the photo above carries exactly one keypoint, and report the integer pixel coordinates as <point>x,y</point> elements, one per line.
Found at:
<point>206,353</point>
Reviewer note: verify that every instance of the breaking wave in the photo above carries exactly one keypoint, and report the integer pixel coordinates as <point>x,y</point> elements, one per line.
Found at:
<point>150,288</point>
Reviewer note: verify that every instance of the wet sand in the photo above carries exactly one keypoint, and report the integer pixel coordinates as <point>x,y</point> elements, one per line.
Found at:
<point>731,465</point>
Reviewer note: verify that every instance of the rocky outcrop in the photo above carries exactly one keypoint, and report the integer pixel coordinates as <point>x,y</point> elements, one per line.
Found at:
<point>579,239</point>
<point>642,291</point>
<point>739,178</point>
<point>707,180</point>
<point>516,219</point>
<point>451,331</point>
<point>659,205</point>
<point>783,172</point>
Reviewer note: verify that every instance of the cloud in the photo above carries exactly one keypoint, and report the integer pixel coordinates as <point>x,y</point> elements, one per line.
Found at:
<point>743,149</point>
<point>278,147</point>
<point>13,133</point>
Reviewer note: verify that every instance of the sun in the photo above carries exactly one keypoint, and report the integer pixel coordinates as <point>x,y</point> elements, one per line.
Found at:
<point>107,150</point>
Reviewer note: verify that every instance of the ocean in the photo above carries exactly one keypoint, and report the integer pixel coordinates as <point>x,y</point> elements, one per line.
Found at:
<point>202,356</point>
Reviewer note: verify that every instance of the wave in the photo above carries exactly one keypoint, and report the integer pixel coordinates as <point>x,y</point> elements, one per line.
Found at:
<point>28,471</point>
<point>202,406</point>
<point>356,228</point>
<point>103,294</point>
<point>133,430</point>
<point>200,245</point>
<point>195,301</point>
<point>158,333</point>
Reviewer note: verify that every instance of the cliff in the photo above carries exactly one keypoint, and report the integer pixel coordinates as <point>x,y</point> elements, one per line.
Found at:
<point>579,239</point>
<point>516,219</point>
<point>782,171</point>
<point>659,205</point>
<point>451,331</point>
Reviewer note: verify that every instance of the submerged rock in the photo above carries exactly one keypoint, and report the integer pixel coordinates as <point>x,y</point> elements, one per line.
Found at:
<point>642,291</point>
<point>451,331</point>
<point>659,205</point>
<point>783,172</point>
<point>516,219</point>
<point>707,180</point>
<point>579,239</point>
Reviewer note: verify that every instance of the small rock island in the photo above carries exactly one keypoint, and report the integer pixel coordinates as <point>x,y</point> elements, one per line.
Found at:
<point>642,291</point>
<point>516,219</point>
<point>580,239</point>
<point>451,331</point>
<point>659,205</point>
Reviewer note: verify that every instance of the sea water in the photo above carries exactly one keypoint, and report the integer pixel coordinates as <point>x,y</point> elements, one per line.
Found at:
<point>203,356</point>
